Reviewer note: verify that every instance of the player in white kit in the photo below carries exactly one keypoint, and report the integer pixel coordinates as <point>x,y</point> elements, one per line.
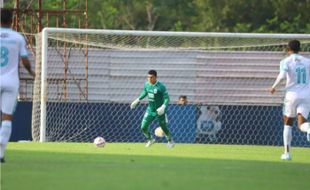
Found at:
<point>296,70</point>
<point>13,48</point>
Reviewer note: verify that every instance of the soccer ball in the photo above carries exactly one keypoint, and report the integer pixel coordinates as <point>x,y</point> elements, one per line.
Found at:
<point>99,142</point>
<point>159,132</point>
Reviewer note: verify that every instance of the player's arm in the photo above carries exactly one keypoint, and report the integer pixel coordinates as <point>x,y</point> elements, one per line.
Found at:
<point>27,65</point>
<point>166,97</point>
<point>280,77</point>
<point>24,57</point>
<point>142,96</point>
<point>161,110</point>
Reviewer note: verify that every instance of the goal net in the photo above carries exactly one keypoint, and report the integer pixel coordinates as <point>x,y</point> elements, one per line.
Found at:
<point>86,80</point>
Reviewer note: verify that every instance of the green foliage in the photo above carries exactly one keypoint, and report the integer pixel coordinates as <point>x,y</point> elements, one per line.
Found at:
<point>204,15</point>
<point>271,16</point>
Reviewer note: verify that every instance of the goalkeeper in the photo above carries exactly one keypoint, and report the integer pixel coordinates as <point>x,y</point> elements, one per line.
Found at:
<point>158,101</point>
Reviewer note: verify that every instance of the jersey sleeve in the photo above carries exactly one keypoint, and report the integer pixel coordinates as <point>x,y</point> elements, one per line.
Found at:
<point>23,50</point>
<point>165,95</point>
<point>143,93</point>
<point>281,76</point>
<point>283,66</point>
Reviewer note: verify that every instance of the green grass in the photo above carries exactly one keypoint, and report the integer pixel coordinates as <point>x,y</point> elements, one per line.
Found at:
<point>118,166</point>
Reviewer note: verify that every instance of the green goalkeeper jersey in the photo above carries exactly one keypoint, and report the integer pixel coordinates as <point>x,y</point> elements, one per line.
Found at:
<point>157,95</point>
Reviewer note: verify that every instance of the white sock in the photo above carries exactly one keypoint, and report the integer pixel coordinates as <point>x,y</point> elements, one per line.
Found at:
<point>5,134</point>
<point>287,138</point>
<point>305,127</point>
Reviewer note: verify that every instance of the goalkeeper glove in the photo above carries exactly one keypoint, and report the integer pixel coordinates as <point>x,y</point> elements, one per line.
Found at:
<point>161,109</point>
<point>134,103</point>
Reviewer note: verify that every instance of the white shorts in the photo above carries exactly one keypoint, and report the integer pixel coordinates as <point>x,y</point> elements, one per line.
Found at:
<point>294,105</point>
<point>8,96</point>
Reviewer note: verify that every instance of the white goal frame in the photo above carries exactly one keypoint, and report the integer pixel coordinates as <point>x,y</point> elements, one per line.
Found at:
<point>44,45</point>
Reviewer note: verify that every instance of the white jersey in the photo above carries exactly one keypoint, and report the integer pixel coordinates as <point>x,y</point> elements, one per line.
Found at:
<point>297,69</point>
<point>13,46</point>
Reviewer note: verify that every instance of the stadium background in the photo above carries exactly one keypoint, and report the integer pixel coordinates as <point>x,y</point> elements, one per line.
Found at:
<point>81,166</point>
<point>269,16</point>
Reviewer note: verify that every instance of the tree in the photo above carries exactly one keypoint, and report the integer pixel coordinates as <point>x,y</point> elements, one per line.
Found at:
<point>282,16</point>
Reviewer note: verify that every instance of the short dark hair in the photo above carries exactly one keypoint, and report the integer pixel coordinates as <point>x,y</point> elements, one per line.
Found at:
<point>294,45</point>
<point>152,72</point>
<point>6,16</point>
<point>183,96</point>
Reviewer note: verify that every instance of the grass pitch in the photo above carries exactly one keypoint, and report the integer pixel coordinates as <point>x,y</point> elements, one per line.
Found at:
<point>131,166</point>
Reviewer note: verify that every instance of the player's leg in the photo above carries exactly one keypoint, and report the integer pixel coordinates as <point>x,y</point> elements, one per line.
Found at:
<point>304,125</point>
<point>287,137</point>
<point>1,149</point>
<point>8,102</point>
<point>146,121</point>
<point>303,112</point>
<point>163,123</point>
<point>289,113</point>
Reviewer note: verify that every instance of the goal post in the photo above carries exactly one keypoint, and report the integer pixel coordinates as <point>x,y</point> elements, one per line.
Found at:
<point>43,86</point>
<point>86,79</point>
